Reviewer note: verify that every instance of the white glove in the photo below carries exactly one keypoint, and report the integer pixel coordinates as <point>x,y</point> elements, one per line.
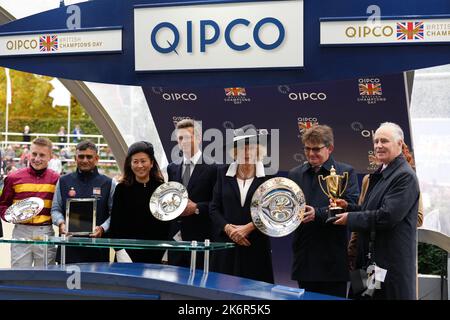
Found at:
<point>122,256</point>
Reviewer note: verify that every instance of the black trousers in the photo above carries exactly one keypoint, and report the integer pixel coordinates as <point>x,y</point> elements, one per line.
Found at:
<point>183,259</point>
<point>334,288</point>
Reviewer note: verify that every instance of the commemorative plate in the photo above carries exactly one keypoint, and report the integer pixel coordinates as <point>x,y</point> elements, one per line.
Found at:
<point>277,207</point>
<point>24,210</point>
<point>168,201</point>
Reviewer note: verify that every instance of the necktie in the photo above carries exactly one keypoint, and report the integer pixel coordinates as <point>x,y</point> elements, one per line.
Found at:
<point>186,173</point>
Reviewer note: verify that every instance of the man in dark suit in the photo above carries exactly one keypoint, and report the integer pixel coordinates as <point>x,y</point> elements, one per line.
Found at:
<point>320,248</point>
<point>386,221</point>
<point>198,174</point>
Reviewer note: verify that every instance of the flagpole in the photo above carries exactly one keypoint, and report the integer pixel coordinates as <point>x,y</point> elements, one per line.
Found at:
<point>68,123</point>
<point>6,124</point>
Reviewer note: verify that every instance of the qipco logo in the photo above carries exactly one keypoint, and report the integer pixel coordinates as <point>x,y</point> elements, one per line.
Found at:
<point>266,34</point>
<point>305,96</point>
<point>369,80</point>
<point>179,96</point>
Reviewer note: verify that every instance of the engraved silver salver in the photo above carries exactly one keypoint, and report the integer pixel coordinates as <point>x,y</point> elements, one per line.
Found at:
<point>277,207</point>
<point>24,210</point>
<point>81,216</point>
<point>168,201</point>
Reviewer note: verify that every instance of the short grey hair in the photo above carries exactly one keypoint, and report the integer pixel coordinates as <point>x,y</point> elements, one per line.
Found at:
<point>395,129</point>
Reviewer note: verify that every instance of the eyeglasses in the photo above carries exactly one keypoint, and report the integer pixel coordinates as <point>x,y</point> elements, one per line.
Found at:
<point>314,150</point>
<point>83,156</point>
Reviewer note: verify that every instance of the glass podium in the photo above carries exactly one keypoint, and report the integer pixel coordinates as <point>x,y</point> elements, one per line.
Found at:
<point>102,280</point>
<point>193,246</point>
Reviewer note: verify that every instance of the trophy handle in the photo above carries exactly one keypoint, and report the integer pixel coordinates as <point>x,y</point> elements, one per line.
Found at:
<point>320,184</point>
<point>346,182</point>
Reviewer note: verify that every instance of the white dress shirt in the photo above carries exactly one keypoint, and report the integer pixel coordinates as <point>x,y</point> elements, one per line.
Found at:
<point>193,161</point>
<point>244,185</point>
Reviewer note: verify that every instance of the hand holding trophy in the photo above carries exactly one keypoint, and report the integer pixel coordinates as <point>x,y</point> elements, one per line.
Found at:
<point>335,186</point>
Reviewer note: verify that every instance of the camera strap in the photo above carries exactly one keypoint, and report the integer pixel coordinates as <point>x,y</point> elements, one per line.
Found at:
<point>370,254</point>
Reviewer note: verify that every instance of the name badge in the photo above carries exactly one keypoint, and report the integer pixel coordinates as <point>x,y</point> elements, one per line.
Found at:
<point>97,191</point>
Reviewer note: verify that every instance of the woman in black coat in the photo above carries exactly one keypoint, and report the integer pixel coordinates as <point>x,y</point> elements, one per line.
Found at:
<point>230,214</point>
<point>130,216</point>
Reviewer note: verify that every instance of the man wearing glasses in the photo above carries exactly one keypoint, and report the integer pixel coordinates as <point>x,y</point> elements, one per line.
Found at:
<point>320,248</point>
<point>85,182</point>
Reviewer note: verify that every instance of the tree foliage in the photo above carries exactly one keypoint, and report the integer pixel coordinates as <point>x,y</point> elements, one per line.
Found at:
<point>31,105</point>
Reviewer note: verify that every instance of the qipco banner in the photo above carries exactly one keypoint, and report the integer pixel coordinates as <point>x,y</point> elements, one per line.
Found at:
<point>219,36</point>
<point>353,108</point>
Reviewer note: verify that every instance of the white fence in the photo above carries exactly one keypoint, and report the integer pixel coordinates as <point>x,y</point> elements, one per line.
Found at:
<point>14,138</point>
<point>96,138</point>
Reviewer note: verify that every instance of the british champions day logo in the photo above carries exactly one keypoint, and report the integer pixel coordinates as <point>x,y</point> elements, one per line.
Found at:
<point>222,36</point>
<point>48,43</point>
<point>79,41</point>
<point>410,31</point>
<point>305,123</point>
<point>370,91</point>
<point>351,32</point>
<point>236,95</point>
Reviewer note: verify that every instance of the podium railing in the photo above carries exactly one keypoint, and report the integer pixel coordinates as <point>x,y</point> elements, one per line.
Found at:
<point>191,246</point>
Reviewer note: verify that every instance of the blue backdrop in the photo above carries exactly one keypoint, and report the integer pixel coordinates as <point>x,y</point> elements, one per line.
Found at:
<point>353,108</point>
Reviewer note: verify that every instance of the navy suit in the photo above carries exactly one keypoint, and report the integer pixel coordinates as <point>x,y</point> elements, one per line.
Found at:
<point>320,249</point>
<point>196,226</point>
<point>390,208</point>
<point>253,262</point>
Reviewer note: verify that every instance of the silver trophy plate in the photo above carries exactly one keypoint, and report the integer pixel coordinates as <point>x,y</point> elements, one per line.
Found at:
<point>168,201</point>
<point>24,210</point>
<point>277,207</point>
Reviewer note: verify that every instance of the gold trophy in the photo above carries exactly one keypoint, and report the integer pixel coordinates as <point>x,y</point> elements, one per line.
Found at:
<point>335,187</point>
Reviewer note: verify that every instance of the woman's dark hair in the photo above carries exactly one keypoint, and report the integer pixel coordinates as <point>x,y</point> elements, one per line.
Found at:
<point>128,174</point>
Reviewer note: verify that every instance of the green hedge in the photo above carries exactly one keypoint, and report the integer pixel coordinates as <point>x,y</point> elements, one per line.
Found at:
<point>431,259</point>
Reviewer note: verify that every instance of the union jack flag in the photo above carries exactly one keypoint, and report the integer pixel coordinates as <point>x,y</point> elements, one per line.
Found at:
<point>303,125</point>
<point>410,31</point>
<point>235,92</point>
<point>48,43</point>
<point>370,89</point>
